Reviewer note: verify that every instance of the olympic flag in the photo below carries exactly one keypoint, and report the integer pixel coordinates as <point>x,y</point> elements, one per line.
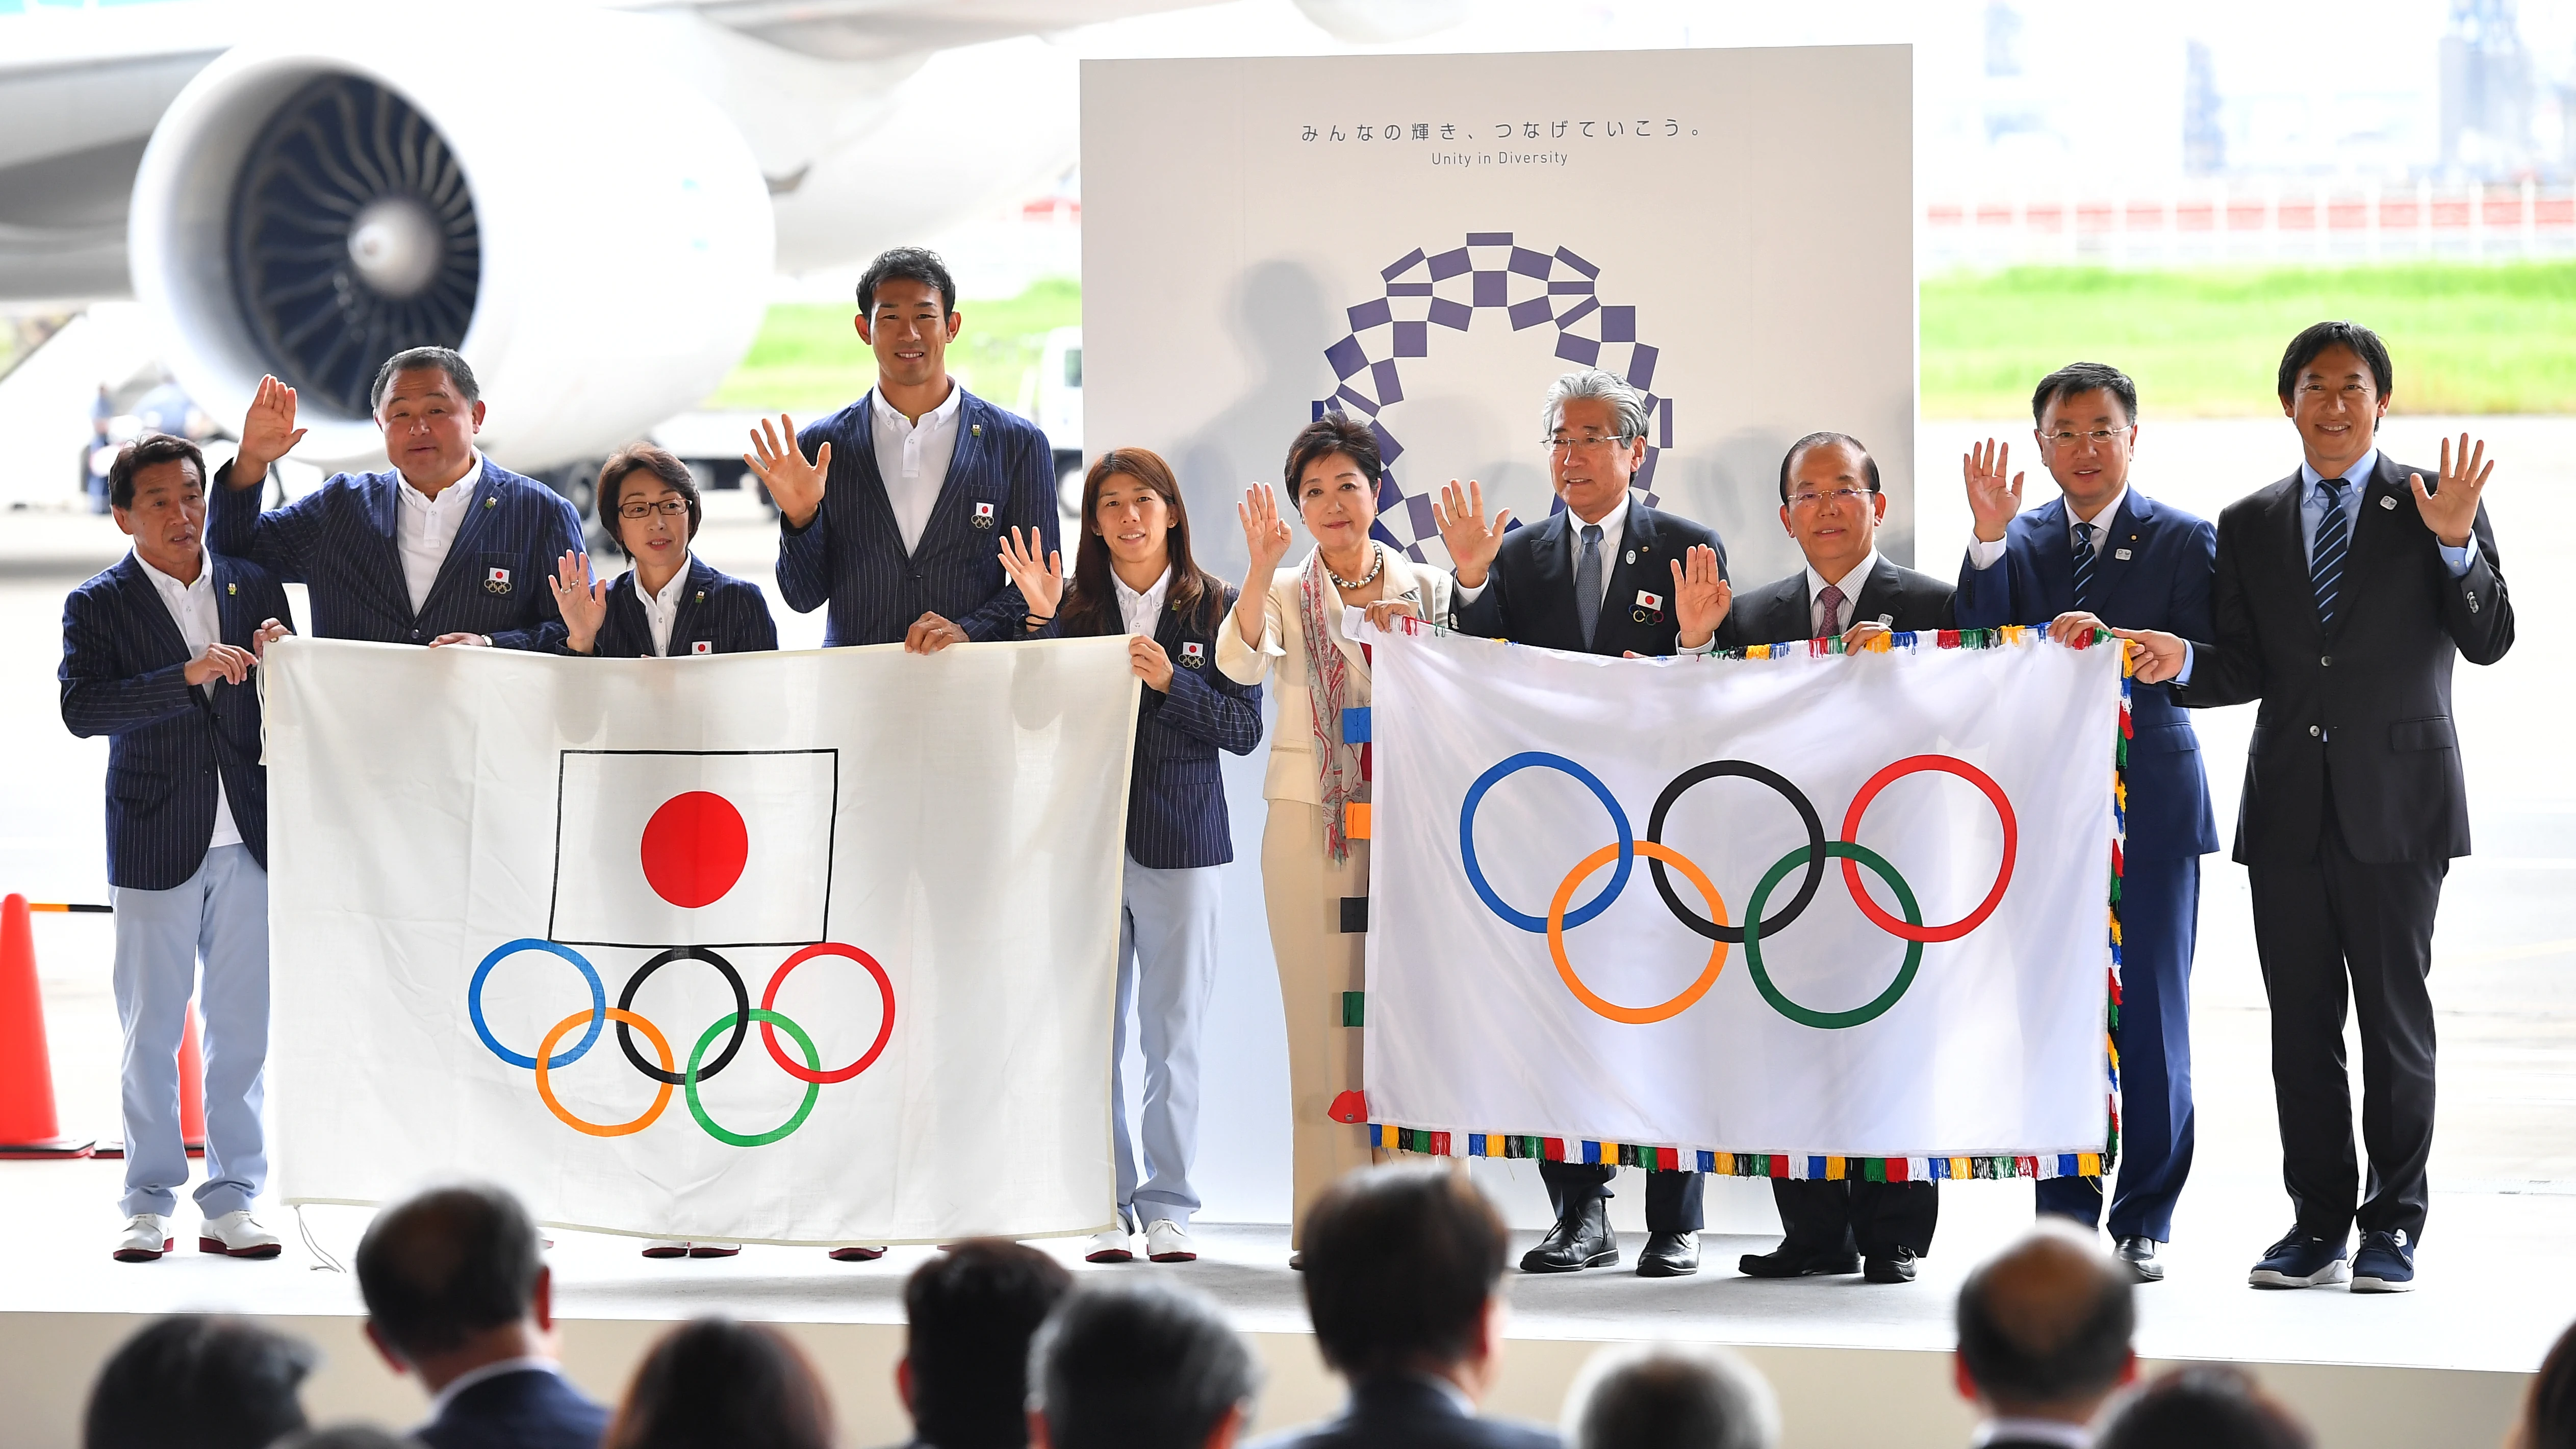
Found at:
<point>1800,914</point>
<point>774,947</point>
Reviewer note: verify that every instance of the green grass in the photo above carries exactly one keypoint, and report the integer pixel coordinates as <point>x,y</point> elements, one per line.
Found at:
<point>808,360</point>
<point>2467,338</point>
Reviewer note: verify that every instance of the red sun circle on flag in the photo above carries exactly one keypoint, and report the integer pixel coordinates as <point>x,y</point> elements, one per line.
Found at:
<point>694,849</point>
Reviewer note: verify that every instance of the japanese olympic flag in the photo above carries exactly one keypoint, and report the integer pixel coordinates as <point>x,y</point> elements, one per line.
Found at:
<point>1806,915</point>
<point>774,947</point>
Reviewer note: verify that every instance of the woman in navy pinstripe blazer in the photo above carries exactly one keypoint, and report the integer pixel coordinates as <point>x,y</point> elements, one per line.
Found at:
<point>1133,575</point>
<point>670,603</point>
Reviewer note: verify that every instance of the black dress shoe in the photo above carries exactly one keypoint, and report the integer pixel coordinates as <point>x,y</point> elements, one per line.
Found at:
<point>1897,1267</point>
<point>1669,1255</point>
<point>1581,1239</point>
<point>2139,1254</point>
<point>1792,1261</point>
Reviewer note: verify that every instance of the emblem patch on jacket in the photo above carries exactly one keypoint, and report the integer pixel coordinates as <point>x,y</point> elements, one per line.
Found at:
<point>496,581</point>
<point>1193,654</point>
<point>702,646</point>
<point>983,515</point>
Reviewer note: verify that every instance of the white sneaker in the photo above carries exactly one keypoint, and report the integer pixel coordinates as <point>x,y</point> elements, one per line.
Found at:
<point>666,1248</point>
<point>1109,1245</point>
<point>1168,1242</point>
<point>235,1235</point>
<point>146,1237</point>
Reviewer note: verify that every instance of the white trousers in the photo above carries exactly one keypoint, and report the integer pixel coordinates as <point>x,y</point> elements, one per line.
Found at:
<point>220,914</point>
<point>1166,966</point>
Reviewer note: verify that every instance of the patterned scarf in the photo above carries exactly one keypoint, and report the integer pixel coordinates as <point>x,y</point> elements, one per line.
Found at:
<point>1328,683</point>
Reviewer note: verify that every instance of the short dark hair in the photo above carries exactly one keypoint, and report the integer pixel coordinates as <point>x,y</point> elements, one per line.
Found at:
<point>2046,1321</point>
<point>972,1311</point>
<point>1136,1366</point>
<point>208,1382</point>
<point>2077,378</point>
<point>419,359</point>
<point>907,264</point>
<point>715,1381</point>
<point>346,1436</point>
<point>1789,459</point>
<point>662,463</point>
<point>1670,1396</point>
<point>2549,1408</point>
<point>444,1265</point>
<point>2305,348</point>
<point>142,453</point>
<point>2207,1406</point>
<point>1400,1263</point>
<point>1334,432</point>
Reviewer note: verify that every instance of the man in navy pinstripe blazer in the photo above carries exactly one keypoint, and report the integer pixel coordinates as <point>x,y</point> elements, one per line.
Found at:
<point>157,655</point>
<point>446,547</point>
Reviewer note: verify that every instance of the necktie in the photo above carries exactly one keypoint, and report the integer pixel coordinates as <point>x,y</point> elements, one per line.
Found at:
<point>2084,560</point>
<point>1587,581</point>
<point>1829,612</point>
<point>2325,563</point>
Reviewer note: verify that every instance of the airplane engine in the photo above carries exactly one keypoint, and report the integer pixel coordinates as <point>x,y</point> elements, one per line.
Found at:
<point>536,191</point>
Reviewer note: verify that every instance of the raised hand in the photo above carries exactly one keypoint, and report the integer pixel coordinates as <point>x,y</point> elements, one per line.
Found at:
<point>268,432</point>
<point>1472,542</point>
<point>930,633</point>
<point>2155,656</point>
<point>1992,500</point>
<point>268,632</point>
<point>226,662</point>
<point>1041,584</point>
<point>2452,514</point>
<point>1265,533</point>
<point>1700,595</point>
<point>1150,663</point>
<point>795,485</point>
<point>582,599</point>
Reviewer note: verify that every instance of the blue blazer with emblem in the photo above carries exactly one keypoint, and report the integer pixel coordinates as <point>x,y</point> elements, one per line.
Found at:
<point>2155,571</point>
<point>1176,816</point>
<point>719,614</point>
<point>122,676</point>
<point>850,554</point>
<point>340,540</point>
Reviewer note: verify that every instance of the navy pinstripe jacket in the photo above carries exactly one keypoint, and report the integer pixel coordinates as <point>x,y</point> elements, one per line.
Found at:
<point>1176,816</point>
<point>340,540</point>
<point>719,614</point>
<point>850,554</point>
<point>122,674</point>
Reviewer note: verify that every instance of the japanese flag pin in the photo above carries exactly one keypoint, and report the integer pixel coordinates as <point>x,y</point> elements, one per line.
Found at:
<point>701,646</point>
<point>1193,654</point>
<point>2385,501</point>
<point>496,581</point>
<point>1649,601</point>
<point>983,515</point>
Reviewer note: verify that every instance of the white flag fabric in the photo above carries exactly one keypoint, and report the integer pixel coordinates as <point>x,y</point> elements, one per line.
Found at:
<point>789,947</point>
<point>1798,914</point>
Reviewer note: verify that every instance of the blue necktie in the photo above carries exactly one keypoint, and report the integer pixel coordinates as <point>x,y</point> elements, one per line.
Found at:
<point>1587,581</point>
<point>2325,564</point>
<point>2084,558</point>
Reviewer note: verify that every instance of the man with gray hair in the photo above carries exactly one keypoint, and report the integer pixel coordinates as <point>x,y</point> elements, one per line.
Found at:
<point>444,547</point>
<point>1670,1396</point>
<point>1605,574</point>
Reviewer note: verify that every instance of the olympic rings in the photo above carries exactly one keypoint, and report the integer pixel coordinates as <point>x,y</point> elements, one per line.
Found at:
<point>661,1095</point>
<point>1808,1016</point>
<point>1715,769</point>
<point>741,1010</point>
<point>813,1087</point>
<point>1633,1015</point>
<point>1914,929</point>
<point>1537,925</point>
<point>507,949</point>
<point>885,1024</point>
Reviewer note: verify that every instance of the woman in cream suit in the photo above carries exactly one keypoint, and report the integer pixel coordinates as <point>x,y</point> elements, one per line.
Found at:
<point>1294,620</point>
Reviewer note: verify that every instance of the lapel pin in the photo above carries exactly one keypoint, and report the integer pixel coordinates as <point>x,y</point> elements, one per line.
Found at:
<point>232,588</point>
<point>2387,502</point>
<point>2121,554</point>
<point>701,598</point>
<point>1649,601</point>
<point>983,515</point>
<point>701,646</point>
<point>976,430</point>
<point>1193,654</point>
<point>489,500</point>
<point>496,581</point>
<point>1632,555</point>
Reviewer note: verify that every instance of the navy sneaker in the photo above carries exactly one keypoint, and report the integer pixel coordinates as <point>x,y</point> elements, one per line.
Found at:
<point>2299,1261</point>
<point>2385,1264</point>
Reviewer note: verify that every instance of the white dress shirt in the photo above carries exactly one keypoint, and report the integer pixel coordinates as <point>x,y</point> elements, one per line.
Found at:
<point>425,526</point>
<point>439,1401</point>
<point>1141,612</point>
<point>913,459</point>
<point>662,610</point>
<point>1851,585</point>
<point>1982,555</point>
<point>1614,531</point>
<point>192,608</point>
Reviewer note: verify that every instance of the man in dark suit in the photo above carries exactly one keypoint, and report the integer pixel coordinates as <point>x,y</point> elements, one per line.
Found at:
<point>157,655</point>
<point>457,1296</point>
<point>1605,575</point>
<point>2344,593</point>
<point>897,519</point>
<point>2044,1330</point>
<point>2102,552</point>
<point>1403,1271</point>
<point>445,547</point>
<point>1830,502</point>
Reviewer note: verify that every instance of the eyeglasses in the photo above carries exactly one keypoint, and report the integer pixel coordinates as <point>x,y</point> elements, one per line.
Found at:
<point>1590,442</point>
<point>2098,437</point>
<point>668,508</point>
<point>1804,501</point>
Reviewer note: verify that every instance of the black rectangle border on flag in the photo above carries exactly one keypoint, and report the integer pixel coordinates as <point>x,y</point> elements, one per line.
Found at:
<point>831,840</point>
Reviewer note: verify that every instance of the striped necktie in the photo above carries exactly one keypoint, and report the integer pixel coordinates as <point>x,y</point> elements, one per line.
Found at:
<point>2085,556</point>
<point>2325,562</point>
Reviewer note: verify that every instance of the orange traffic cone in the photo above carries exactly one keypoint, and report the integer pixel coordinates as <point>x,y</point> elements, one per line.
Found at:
<point>28,1127</point>
<point>192,1088</point>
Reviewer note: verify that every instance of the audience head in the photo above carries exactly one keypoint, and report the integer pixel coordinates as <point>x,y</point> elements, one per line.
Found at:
<point>1830,501</point>
<point>1139,1366</point>
<point>2208,1406</point>
<point>908,315</point>
<point>1670,1396</point>
<point>451,1278</point>
<point>157,488</point>
<point>971,1313</point>
<point>429,406</point>
<point>2335,383</point>
<point>1596,440</point>
<point>1133,515</point>
<point>2549,1408</point>
<point>2044,1327</point>
<point>1403,1274</point>
<point>648,502</point>
<point>2086,418</point>
<point>1332,476</point>
<point>715,1383</point>
<point>209,1383</point>
<point>346,1436</point>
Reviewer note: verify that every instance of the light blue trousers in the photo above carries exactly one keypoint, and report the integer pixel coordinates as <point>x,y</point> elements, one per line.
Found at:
<point>220,914</point>
<point>1166,965</point>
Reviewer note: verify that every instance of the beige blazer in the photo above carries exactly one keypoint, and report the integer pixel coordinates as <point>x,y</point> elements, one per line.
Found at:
<point>1283,642</point>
